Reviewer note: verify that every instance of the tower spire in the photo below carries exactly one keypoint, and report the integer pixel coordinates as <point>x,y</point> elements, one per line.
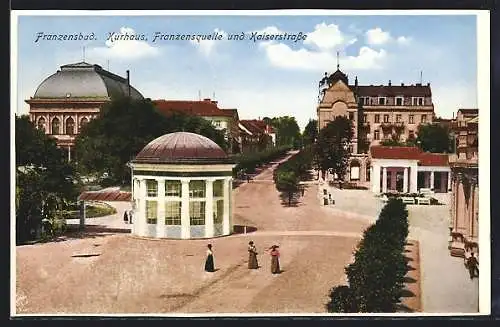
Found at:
<point>338,65</point>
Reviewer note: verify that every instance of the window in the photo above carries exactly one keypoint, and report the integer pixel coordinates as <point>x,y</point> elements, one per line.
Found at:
<point>83,122</point>
<point>417,101</point>
<point>381,101</point>
<point>197,189</point>
<point>351,116</point>
<point>41,124</point>
<point>217,123</point>
<point>398,118</point>
<point>354,172</point>
<point>368,170</point>
<point>151,188</point>
<point>151,212</point>
<point>365,118</point>
<point>197,213</point>
<point>173,188</point>
<point>424,119</point>
<point>377,118</point>
<point>218,188</point>
<point>410,119</point>
<point>70,126</point>
<point>386,118</point>
<point>376,135</point>
<point>55,126</point>
<point>399,101</point>
<point>218,211</point>
<point>173,212</point>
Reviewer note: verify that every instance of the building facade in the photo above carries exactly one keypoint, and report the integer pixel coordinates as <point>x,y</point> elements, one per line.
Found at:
<point>464,222</point>
<point>225,120</point>
<point>256,135</point>
<point>378,113</point>
<point>65,101</point>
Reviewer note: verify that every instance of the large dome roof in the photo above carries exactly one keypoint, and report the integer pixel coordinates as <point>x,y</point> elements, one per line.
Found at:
<point>83,80</point>
<point>182,147</point>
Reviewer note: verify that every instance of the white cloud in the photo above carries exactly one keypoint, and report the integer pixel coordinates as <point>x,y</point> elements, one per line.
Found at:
<point>376,36</point>
<point>281,55</point>
<point>125,45</point>
<point>328,37</point>
<point>206,47</point>
<point>404,40</point>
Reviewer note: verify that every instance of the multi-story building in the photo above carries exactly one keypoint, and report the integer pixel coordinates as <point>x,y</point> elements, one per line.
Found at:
<point>225,120</point>
<point>70,98</point>
<point>464,222</point>
<point>378,112</point>
<point>256,135</point>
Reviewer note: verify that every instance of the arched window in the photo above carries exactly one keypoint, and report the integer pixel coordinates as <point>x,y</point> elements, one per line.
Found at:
<point>41,124</point>
<point>354,170</point>
<point>83,122</point>
<point>70,126</point>
<point>55,126</point>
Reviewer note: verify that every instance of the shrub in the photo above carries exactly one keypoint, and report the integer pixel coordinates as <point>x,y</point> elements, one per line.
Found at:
<point>342,300</point>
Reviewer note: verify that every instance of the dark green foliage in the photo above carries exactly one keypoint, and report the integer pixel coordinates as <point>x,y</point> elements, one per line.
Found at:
<point>310,134</point>
<point>376,277</point>
<point>342,300</point>
<point>123,128</point>
<point>287,131</point>
<point>250,161</point>
<point>333,148</point>
<point>434,138</point>
<point>45,182</point>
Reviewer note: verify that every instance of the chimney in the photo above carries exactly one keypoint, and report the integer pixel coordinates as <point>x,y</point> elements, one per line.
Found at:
<point>390,83</point>
<point>207,100</point>
<point>356,81</point>
<point>428,84</point>
<point>215,102</point>
<point>128,82</point>
<point>402,84</point>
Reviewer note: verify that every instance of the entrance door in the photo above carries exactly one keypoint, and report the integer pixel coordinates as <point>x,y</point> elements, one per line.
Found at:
<point>399,181</point>
<point>438,176</point>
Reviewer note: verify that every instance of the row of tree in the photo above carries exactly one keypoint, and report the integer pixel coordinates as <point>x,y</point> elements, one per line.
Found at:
<point>248,162</point>
<point>287,175</point>
<point>376,277</point>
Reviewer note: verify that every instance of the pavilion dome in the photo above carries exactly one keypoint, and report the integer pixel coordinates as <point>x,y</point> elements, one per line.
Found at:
<point>83,81</point>
<point>182,147</point>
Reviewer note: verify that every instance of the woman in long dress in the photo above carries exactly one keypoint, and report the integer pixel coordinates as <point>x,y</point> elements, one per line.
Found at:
<point>275,262</point>
<point>209,263</point>
<point>252,256</point>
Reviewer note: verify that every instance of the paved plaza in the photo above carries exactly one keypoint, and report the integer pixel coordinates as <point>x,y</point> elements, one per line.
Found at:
<point>98,272</point>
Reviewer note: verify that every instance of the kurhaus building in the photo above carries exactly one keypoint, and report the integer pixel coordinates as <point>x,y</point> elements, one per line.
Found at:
<point>378,112</point>
<point>68,99</point>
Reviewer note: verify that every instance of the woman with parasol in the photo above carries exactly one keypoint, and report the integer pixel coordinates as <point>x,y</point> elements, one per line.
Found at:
<point>252,256</point>
<point>275,263</point>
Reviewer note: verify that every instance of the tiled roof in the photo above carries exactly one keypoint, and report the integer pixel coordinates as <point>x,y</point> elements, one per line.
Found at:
<point>255,126</point>
<point>197,108</point>
<point>105,196</point>
<point>395,152</point>
<point>409,153</point>
<point>393,90</point>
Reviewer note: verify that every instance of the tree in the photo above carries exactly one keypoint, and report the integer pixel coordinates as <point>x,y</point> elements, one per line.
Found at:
<point>287,130</point>
<point>45,181</point>
<point>434,138</point>
<point>333,147</point>
<point>310,134</point>
<point>123,128</point>
<point>288,183</point>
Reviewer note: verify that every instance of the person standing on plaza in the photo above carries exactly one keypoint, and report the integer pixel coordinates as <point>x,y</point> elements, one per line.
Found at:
<point>472,264</point>
<point>209,262</point>
<point>125,217</point>
<point>252,256</point>
<point>130,214</point>
<point>275,262</point>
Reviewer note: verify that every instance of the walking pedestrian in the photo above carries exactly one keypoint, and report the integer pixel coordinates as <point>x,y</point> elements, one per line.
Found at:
<point>252,256</point>
<point>275,262</point>
<point>125,217</point>
<point>248,178</point>
<point>472,265</point>
<point>209,263</point>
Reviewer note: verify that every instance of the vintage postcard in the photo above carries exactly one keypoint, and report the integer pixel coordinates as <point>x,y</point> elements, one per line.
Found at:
<point>231,163</point>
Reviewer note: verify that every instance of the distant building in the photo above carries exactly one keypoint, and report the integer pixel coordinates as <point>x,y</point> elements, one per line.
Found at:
<point>378,112</point>
<point>464,223</point>
<point>225,120</point>
<point>68,99</point>
<point>256,135</point>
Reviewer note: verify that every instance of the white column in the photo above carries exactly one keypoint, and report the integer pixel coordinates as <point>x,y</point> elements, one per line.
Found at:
<point>160,224</point>
<point>405,180</point>
<point>384,180</point>
<point>413,178</point>
<point>449,182</point>
<point>432,180</point>
<point>209,209</point>
<point>69,153</point>
<point>185,221</point>
<point>140,222</point>
<point>375,179</point>
<point>226,228</point>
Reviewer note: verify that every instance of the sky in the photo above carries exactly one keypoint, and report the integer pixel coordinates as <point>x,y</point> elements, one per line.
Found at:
<point>259,77</point>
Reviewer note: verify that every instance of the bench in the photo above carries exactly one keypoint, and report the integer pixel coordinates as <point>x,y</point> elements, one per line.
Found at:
<point>408,200</point>
<point>424,201</point>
